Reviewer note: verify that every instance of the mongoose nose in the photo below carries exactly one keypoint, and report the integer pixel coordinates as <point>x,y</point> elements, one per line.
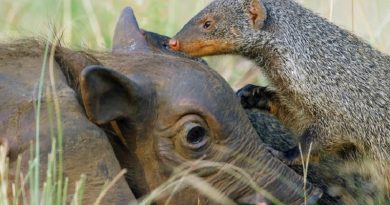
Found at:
<point>174,44</point>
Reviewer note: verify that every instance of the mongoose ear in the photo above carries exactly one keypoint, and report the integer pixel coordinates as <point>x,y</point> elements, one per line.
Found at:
<point>257,13</point>
<point>107,95</point>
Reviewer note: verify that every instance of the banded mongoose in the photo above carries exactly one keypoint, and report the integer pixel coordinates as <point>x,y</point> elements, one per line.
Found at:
<point>333,86</point>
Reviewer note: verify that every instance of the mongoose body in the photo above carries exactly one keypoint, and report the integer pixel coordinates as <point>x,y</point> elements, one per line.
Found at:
<point>332,85</point>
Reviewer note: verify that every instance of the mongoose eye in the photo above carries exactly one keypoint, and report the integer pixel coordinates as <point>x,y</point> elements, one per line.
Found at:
<point>165,45</point>
<point>207,24</point>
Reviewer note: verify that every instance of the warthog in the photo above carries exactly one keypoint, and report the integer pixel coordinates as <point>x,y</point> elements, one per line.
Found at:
<point>159,112</point>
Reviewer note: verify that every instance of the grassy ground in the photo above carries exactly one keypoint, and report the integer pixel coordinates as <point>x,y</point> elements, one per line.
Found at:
<point>90,23</point>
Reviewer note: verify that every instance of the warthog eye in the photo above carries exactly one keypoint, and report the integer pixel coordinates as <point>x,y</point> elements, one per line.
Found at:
<point>196,135</point>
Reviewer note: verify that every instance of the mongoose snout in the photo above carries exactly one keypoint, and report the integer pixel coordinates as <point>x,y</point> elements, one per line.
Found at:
<point>174,44</point>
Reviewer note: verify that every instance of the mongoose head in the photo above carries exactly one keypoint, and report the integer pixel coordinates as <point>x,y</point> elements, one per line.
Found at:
<point>216,29</point>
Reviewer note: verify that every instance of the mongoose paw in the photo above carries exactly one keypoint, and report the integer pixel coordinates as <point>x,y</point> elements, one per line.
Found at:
<point>253,96</point>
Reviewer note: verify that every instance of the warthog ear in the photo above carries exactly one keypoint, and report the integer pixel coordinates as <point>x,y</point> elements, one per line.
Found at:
<point>106,94</point>
<point>128,37</point>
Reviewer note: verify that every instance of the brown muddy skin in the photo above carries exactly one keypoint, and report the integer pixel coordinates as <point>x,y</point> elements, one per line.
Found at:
<point>156,117</point>
<point>86,149</point>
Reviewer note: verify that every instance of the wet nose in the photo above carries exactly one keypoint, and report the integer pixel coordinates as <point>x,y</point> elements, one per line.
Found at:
<point>174,44</point>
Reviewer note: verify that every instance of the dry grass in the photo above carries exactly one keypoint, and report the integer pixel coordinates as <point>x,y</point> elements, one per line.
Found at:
<point>183,177</point>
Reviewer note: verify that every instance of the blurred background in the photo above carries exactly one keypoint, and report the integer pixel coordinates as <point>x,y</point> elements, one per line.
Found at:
<point>90,23</point>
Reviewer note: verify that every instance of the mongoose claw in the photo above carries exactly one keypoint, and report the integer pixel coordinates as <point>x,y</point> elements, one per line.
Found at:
<point>253,96</point>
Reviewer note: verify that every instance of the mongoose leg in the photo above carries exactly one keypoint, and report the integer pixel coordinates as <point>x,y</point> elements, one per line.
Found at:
<point>253,96</point>
<point>262,104</point>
